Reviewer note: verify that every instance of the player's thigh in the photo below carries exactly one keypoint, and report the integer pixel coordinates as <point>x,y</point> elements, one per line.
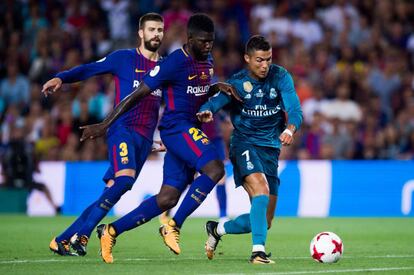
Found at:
<point>245,162</point>
<point>218,142</point>
<point>142,148</point>
<point>176,172</point>
<point>274,183</point>
<point>255,184</point>
<point>190,145</point>
<point>121,151</point>
<point>270,162</point>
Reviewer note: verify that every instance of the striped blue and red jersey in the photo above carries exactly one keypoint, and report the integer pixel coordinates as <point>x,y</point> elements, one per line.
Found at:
<point>212,129</point>
<point>128,66</point>
<point>185,83</point>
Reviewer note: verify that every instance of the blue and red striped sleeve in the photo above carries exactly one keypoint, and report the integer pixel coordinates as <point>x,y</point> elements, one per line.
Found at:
<point>163,72</point>
<point>107,64</point>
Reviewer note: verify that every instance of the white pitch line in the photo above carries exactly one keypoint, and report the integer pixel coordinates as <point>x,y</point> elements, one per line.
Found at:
<point>379,269</point>
<point>70,259</point>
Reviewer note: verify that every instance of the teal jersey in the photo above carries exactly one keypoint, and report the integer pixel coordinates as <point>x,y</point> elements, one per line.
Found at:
<point>260,118</point>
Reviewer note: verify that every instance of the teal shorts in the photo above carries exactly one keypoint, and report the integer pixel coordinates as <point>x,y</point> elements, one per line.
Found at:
<point>248,159</point>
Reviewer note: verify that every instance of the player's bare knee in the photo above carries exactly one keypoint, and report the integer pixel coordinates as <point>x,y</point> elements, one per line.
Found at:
<point>110,183</point>
<point>166,201</point>
<point>261,189</point>
<point>167,198</point>
<point>214,170</point>
<point>265,189</point>
<point>126,172</point>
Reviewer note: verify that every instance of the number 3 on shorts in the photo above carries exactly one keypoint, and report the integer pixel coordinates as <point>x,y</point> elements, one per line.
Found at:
<point>124,149</point>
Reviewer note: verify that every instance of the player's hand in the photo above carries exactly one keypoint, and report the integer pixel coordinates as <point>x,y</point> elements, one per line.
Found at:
<point>229,90</point>
<point>205,116</point>
<point>286,137</point>
<point>93,131</point>
<point>161,147</point>
<point>51,86</point>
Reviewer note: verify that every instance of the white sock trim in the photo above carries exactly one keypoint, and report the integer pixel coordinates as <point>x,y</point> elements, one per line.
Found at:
<point>220,228</point>
<point>258,247</point>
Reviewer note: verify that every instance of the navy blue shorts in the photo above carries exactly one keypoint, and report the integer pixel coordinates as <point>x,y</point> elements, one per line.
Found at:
<point>248,159</point>
<point>220,147</point>
<point>127,149</point>
<point>188,150</point>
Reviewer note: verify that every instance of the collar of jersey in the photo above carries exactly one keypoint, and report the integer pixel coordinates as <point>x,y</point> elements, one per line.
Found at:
<point>251,79</point>
<point>185,52</point>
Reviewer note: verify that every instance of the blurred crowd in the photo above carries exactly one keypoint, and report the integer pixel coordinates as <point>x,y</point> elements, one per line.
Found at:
<point>352,63</point>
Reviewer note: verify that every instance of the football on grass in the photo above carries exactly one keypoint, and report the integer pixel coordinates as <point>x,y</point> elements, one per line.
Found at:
<point>326,247</point>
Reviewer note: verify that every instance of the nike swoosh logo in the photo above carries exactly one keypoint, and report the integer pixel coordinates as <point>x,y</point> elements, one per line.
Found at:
<point>201,193</point>
<point>257,259</point>
<point>108,202</point>
<point>191,77</point>
<point>139,71</point>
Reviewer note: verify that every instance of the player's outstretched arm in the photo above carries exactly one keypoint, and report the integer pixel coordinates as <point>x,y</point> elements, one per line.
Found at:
<point>105,65</point>
<point>224,87</point>
<point>292,107</point>
<point>99,129</point>
<point>212,106</point>
<point>51,86</point>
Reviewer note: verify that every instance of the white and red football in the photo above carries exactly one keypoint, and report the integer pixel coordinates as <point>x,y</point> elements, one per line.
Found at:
<point>326,247</point>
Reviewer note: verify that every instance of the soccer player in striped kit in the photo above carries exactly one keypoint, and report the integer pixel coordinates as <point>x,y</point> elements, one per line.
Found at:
<point>185,76</point>
<point>129,138</point>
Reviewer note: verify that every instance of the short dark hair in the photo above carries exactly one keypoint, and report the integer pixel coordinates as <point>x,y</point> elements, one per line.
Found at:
<point>151,16</point>
<point>199,22</point>
<point>257,43</point>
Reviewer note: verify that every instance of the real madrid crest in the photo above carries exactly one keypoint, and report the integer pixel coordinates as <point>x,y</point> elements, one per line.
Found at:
<point>247,86</point>
<point>273,93</point>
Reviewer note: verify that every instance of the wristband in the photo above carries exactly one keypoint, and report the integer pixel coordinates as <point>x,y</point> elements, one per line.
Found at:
<point>287,131</point>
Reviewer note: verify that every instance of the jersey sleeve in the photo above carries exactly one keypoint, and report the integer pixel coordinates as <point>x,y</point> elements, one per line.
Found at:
<point>290,100</point>
<point>163,72</point>
<point>105,65</point>
<point>216,102</point>
<point>219,100</point>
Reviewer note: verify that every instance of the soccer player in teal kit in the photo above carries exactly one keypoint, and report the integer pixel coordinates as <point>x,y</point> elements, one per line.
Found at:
<point>259,131</point>
<point>185,77</point>
<point>129,138</point>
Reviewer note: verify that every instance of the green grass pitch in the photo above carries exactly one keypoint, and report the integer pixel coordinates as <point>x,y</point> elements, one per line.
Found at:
<point>371,246</point>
